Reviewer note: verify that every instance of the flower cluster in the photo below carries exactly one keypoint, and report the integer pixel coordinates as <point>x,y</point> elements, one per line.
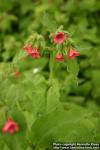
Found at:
<point>59,39</point>
<point>10,127</point>
<point>33,52</point>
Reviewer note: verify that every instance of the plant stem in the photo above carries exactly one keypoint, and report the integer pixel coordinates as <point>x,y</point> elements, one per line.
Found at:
<point>51,67</point>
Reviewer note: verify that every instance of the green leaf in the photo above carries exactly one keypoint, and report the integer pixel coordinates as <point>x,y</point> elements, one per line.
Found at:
<point>20,56</point>
<point>83,89</point>
<point>2,144</point>
<point>35,91</point>
<point>2,118</point>
<point>39,99</point>
<point>53,96</point>
<point>73,67</point>
<point>49,22</point>
<point>71,124</point>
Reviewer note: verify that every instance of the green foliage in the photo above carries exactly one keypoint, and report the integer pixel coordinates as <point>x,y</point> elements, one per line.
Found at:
<point>70,124</point>
<point>52,101</point>
<point>53,97</point>
<point>72,67</point>
<point>49,22</point>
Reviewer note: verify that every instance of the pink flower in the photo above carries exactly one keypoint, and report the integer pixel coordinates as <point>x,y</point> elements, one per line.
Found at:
<point>28,48</point>
<point>32,51</point>
<point>72,54</point>
<point>59,57</point>
<point>59,38</point>
<point>35,53</point>
<point>10,127</point>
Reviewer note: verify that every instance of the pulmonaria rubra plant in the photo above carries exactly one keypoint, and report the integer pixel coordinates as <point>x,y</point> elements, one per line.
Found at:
<point>40,101</point>
<point>43,96</point>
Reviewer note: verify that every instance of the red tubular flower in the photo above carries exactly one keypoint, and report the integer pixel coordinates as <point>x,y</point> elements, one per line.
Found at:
<point>72,54</point>
<point>32,51</point>
<point>35,53</point>
<point>28,48</point>
<point>59,38</point>
<point>10,127</point>
<point>59,57</point>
